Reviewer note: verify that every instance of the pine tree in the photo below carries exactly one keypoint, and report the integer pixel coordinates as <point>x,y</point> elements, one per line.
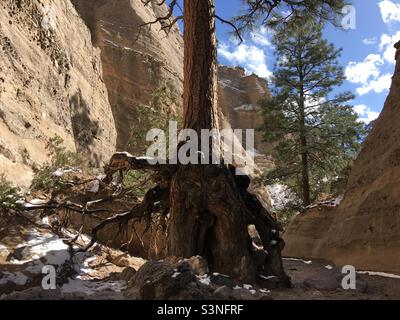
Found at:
<point>316,134</point>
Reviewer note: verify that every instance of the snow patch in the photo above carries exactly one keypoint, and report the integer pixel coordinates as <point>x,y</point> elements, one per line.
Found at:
<point>89,288</point>
<point>95,186</point>
<point>380,274</point>
<point>220,274</point>
<point>264,291</point>
<point>204,279</point>
<point>246,107</point>
<point>266,277</point>
<point>301,260</point>
<point>62,171</point>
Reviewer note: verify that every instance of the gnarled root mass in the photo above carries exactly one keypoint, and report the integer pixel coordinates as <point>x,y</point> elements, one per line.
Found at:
<point>206,210</point>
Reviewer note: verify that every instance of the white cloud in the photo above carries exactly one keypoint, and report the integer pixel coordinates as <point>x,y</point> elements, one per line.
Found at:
<point>378,85</point>
<point>361,72</point>
<point>390,11</point>
<point>365,113</point>
<point>387,46</point>
<point>370,41</point>
<point>360,109</point>
<point>368,74</point>
<point>251,57</point>
<point>260,37</point>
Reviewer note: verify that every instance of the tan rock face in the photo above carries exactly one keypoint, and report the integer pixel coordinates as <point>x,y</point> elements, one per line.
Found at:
<point>50,83</point>
<point>238,96</point>
<point>365,229</point>
<point>80,69</point>
<point>137,59</point>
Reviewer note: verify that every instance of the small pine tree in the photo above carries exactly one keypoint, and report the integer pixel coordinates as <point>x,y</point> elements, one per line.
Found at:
<point>316,134</point>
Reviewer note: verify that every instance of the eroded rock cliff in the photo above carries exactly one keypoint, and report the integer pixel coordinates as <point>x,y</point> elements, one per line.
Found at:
<point>137,59</point>
<point>239,95</point>
<point>50,83</point>
<point>364,230</point>
<point>83,69</point>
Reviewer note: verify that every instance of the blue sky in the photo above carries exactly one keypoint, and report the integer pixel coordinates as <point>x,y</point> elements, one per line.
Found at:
<point>368,54</point>
<point>367,57</point>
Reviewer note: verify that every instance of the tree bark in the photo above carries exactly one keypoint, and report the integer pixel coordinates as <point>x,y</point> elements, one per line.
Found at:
<point>208,211</point>
<point>207,214</point>
<point>305,174</point>
<point>303,144</point>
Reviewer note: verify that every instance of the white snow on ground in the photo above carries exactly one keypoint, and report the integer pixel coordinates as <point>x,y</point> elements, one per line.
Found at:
<point>329,267</point>
<point>61,171</point>
<point>34,203</point>
<point>264,291</point>
<point>18,278</point>
<point>246,107</point>
<point>380,274</point>
<point>95,186</point>
<point>247,286</point>
<point>52,248</point>
<point>204,279</point>
<point>176,273</point>
<point>266,277</point>
<point>45,221</point>
<point>295,259</point>
<point>91,287</point>
<point>237,288</point>
<point>220,274</point>
<point>125,153</point>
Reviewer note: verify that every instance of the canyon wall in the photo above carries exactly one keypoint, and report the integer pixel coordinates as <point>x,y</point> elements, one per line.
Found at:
<point>50,84</point>
<point>83,68</point>
<point>364,230</point>
<point>137,58</point>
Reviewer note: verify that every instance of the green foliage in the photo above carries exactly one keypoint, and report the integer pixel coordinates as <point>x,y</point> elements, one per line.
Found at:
<point>53,176</point>
<point>316,134</point>
<point>11,199</point>
<point>139,182</point>
<point>156,115</point>
<point>274,13</point>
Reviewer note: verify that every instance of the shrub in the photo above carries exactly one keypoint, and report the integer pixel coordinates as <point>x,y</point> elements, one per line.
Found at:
<point>139,182</point>
<point>11,198</point>
<point>156,115</point>
<point>54,175</point>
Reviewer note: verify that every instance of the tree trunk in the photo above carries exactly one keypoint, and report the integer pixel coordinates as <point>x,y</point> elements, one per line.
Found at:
<point>208,211</point>
<point>305,174</point>
<point>206,216</point>
<point>303,144</point>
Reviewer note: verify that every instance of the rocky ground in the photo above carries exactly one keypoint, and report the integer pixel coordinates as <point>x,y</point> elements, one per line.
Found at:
<point>104,273</point>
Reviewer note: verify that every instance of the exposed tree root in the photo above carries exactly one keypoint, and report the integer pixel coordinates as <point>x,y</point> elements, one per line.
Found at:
<point>206,209</point>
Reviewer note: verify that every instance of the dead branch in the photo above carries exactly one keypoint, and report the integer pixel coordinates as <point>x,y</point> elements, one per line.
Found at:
<point>124,162</point>
<point>145,208</point>
<point>237,32</point>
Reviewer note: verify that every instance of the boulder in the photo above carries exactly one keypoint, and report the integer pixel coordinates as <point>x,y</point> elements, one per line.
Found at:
<point>199,265</point>
<point>222,293</point>
<point>331,280</point>
<point>157,280</point>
